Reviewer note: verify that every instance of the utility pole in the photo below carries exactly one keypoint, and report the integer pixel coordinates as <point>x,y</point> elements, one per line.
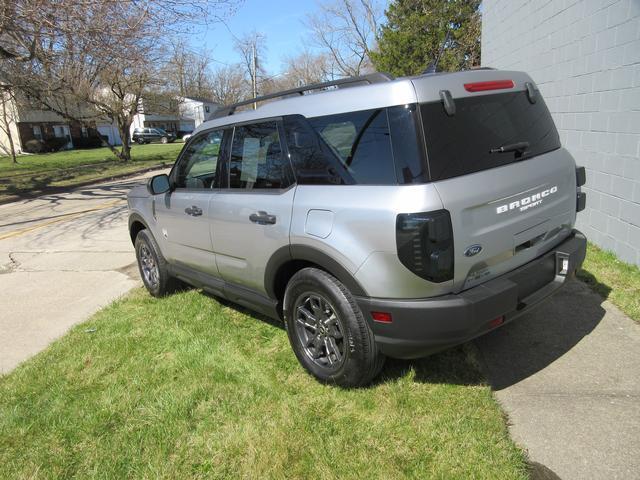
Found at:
<point>254,74</point>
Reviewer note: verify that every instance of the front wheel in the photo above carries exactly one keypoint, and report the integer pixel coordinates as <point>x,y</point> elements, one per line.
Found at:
<point>327,330</point>
<point>140,141</point>
<point>152,266</point>
<point>164,140</point>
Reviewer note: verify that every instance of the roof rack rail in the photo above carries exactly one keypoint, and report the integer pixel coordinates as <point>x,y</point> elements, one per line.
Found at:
<point>377,77</point>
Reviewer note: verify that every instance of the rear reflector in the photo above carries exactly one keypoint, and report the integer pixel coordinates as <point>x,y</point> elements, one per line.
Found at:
<point>496,322</point>
<point>490,85</point>
<point>382,317</point>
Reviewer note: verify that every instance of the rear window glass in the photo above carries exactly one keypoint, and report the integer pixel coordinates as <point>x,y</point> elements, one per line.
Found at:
<point>461,144</point>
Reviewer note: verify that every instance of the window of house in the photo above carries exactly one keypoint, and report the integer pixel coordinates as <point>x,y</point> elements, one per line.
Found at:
<point>206,108</point>
<point>85,133</point>
<point>198,164</point>
<point>257,160</point>
<point>37,132</point>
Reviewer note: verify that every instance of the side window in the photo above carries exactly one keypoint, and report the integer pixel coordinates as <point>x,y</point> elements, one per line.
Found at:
<point>257,159</point>
<point>314,163</point>
<point>197,166</point>
<point>361,143</point>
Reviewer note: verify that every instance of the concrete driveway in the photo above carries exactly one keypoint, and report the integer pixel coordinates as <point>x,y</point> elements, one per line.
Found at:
<point>568,377</point>
<point>62,257</point>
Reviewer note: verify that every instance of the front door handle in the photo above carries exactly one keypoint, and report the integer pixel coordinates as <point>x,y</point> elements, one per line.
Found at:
<point>193,211</point>
<point>262,218</point>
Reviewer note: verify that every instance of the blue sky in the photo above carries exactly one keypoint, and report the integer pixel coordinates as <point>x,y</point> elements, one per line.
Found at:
<point>280,20</point>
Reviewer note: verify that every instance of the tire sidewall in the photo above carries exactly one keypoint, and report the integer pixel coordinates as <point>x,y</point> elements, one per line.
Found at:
<point>360,348</point>
<point>144,239</point>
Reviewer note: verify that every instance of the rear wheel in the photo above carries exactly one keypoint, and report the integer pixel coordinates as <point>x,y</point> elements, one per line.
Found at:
<point>152,266</point>
<point>327,330</point>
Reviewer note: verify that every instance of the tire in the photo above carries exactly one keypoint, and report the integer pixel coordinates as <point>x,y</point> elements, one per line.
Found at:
<point>140,141</point>
<point>153,267</point>
<point>164,140</point>
<point>339,349</point>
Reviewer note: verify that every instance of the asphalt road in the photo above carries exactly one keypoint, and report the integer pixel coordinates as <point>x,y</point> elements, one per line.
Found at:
<point>62,257</point>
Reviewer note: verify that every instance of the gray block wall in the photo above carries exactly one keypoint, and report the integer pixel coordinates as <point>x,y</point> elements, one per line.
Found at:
<point>585,57</point>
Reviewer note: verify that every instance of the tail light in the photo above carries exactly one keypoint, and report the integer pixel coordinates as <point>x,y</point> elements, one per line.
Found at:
<point>581,197</point>
<point>425,244</point>
<point>490,85</point>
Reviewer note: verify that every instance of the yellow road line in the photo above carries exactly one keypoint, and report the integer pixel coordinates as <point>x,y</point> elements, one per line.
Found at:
<point>70,216</point>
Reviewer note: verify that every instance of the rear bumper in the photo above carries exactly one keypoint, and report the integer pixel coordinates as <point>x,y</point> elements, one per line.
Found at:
<point>424,326</point>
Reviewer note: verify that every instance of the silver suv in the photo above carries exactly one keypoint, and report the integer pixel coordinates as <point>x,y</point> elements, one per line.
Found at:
<point>377,217</point>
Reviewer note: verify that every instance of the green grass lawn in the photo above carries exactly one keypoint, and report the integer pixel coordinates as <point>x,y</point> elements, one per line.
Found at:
<point>35,173</point>
<point>613,279</point>
<point>184,387</point>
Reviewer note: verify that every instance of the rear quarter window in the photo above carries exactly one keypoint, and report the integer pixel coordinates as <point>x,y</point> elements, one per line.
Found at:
<point>370,147</point>
<point>461,144</point>
<point>362,144</point>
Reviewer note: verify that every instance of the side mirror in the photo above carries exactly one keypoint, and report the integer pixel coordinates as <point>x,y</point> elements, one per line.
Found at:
<point>158,184</point>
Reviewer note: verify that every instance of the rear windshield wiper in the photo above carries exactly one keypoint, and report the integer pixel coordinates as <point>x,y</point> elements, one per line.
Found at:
<point>519,147</point>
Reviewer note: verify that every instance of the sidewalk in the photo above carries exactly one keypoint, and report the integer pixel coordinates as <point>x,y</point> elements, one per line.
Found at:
<point>568,377</point>
<point>62,257</point>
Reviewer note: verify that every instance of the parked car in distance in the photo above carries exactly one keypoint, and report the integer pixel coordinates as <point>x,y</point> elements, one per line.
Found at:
<point>379,218</point>
<point>148,135</point>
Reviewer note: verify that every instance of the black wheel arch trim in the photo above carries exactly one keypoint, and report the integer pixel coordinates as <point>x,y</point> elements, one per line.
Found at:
<point>312,255</point>
<point>133,218</point>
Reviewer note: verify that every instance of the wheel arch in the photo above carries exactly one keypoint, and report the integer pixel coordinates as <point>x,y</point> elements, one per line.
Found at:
<point>136,224</point>
<point>288,260</point>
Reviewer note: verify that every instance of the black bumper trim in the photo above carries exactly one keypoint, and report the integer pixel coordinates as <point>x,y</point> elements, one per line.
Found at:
<point>424,326</point>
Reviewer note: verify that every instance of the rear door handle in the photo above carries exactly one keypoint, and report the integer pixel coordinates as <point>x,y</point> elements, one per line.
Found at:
<point>193,211</point>
<point>262,218</point>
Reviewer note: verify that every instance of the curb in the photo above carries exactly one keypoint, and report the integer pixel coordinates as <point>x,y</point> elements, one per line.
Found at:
<point>71,188</point>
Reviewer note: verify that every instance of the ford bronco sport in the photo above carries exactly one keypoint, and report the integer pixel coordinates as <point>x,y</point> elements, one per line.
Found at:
<point>376,216</point>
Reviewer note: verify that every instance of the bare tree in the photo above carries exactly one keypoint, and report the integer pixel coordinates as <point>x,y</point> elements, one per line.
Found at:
<point>97,64</point>
<point>346,30</point>
<point>188,71</point>
<point>229,85</point>
<point>306,68</point>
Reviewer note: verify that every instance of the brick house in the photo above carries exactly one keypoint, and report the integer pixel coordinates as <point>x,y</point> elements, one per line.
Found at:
<point>29,123</point>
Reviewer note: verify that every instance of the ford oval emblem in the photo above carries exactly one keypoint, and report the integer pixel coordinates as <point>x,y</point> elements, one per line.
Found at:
<point>473,250</point>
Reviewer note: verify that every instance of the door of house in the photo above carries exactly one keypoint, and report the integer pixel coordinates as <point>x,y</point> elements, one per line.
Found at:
<point>62,131</point>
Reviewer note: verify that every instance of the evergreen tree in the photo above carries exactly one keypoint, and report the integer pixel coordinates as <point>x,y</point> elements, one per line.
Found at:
<point>416,29</point>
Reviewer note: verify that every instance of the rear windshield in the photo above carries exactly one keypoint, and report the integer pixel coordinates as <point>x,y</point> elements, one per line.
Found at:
<point>462,143</point>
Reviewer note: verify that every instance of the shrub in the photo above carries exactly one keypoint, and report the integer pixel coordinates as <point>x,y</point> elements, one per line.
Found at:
<point>93,141</point>
<point>55,143</point>
<point>34,146</point>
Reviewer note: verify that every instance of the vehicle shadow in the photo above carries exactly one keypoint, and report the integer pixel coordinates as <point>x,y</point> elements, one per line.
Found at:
<point>450,366</point>
<point>503,357</point>
<point>530,343</point>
